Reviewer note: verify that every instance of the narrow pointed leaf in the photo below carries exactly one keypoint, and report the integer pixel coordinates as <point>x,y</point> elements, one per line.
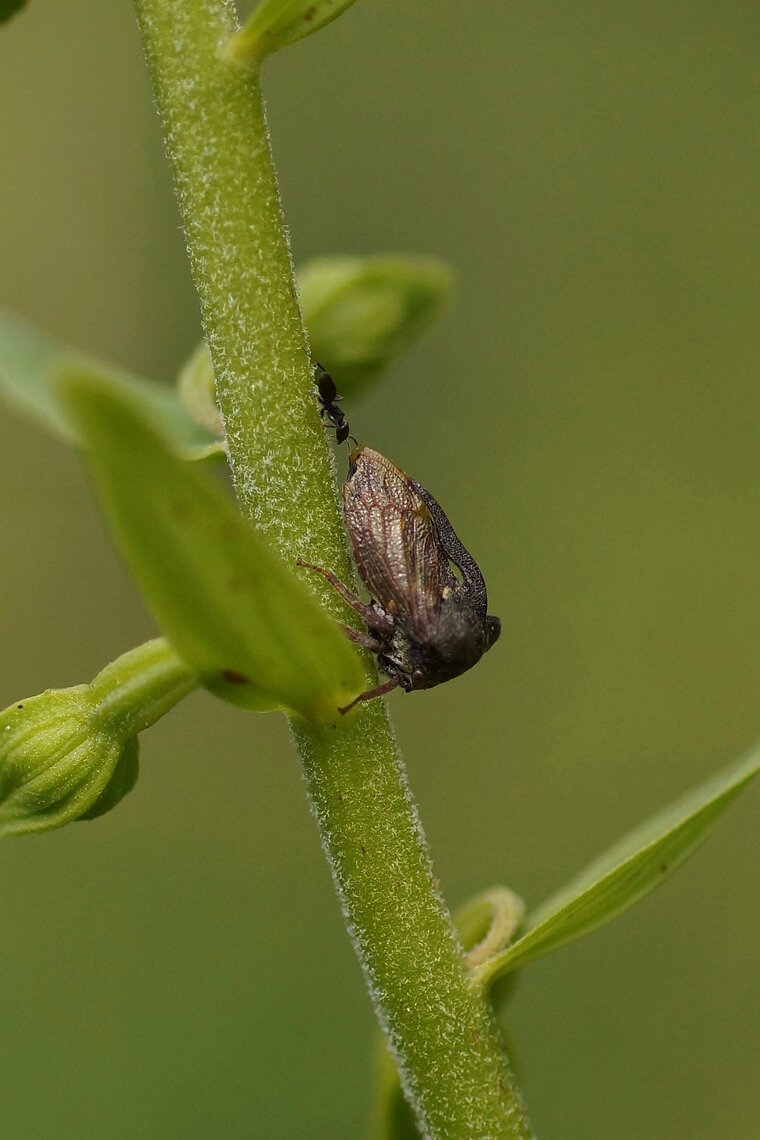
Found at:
<point>235,614</point>
<point>627,872</point>
<point>275,24</point>
<point>31,362</point>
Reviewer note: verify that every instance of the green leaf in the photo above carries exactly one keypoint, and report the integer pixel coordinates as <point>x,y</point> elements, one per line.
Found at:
<point>362,313</point>
<point>9,8</point>
<point>275,24</point>
<point>31,362</point>
<point>235,614</point>
<point>627,872</point>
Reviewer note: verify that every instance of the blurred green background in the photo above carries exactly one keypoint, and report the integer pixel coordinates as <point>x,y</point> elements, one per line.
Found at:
<point>588,415</point>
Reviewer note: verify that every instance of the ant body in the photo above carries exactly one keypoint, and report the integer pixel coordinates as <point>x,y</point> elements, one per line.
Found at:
<point>328,400</point>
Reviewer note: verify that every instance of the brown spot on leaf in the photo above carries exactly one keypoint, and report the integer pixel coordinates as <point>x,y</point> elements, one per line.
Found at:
<point>235,678</point>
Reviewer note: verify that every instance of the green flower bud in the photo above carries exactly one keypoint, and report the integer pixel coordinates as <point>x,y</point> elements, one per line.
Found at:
<point>122,780</point>
<point>196,390</point>
<point>53,764</point>
<point>363,312</point>
<point>71,754</point>
<point>275,24</point>
<point>360,313</point>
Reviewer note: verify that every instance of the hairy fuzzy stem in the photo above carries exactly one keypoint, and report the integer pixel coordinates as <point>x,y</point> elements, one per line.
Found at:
<point>440,1029</point>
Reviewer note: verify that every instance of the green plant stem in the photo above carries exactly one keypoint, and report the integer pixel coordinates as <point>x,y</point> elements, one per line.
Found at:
<point>440,1029</point>
<point>140,687</point>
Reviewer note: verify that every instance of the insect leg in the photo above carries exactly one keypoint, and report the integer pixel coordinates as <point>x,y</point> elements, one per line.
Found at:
<point>366,640</point>
<point>373,619</point>
<point>370,694</point>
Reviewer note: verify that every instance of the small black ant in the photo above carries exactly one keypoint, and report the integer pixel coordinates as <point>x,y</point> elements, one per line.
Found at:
<point>329,399</point>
